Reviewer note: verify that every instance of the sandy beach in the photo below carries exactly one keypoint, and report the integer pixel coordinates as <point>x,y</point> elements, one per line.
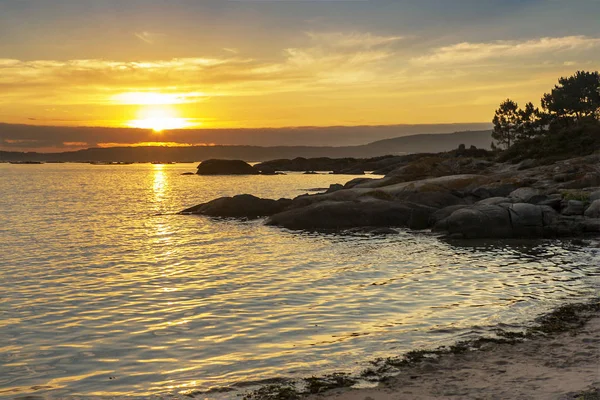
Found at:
<point>559,366</point>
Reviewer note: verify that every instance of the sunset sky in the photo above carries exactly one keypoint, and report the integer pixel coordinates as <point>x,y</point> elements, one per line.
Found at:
<point>162,64</point>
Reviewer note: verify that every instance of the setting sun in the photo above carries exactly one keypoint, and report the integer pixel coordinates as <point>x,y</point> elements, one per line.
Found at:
<point>159,118</point>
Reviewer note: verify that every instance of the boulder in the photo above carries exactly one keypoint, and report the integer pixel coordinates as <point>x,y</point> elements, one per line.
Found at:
<point>527,220</point>
<point>357,181</point>
<point>595,195</point>
<point>504,221</point>
<point>574,207</point>
<point>226,167</point>
<point>451,184</point>
<point>334,188</point>
<point>241,206</point>
<point>495,189</point>
<point>481,221</point>
<point>444,213</point>
<point>335,215</point>
<point>527,164</point>
<point>554,201</point>
<point>527,195</point>
<point>494,201</point>
<point>568,226</point>
<point>593,211</point>
<point>431,199</point>
<point>591,225</point>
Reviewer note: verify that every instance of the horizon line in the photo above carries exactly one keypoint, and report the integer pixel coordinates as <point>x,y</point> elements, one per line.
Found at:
<point>244,128</point>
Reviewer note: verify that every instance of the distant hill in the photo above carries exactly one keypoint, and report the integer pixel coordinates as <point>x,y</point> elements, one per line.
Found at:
<point>423,143</point>
<point>432,143</point>
<point>14,137</point>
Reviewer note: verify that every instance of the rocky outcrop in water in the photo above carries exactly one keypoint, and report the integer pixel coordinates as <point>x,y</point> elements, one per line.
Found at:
<point>348,166</point>
<point>476,198</point>
<point>226,167</point>
<point>364,212</point>
<point>241,206</point>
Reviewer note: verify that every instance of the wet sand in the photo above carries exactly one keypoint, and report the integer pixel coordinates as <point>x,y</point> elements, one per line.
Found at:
<point>558,366</point>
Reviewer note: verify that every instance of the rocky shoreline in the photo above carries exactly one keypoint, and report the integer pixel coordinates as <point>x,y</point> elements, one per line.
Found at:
<point>460,194</point>
<point>457,195</point>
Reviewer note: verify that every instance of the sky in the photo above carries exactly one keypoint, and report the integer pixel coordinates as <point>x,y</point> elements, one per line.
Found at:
<point>167,64</point>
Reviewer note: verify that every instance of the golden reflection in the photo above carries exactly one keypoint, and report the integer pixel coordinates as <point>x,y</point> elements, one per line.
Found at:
<point>160,182</point>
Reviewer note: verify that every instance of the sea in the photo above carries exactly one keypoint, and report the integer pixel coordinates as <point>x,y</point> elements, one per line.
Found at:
<point>107,293</point>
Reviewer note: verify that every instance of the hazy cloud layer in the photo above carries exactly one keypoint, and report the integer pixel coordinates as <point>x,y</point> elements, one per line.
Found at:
<point>327,60</point>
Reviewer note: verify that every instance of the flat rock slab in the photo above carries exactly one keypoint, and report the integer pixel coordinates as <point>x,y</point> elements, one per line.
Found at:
<point>335,215</point>
<point>241,206</point>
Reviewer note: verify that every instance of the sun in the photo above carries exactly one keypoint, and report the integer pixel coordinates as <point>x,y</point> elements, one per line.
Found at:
<point>159,119</point>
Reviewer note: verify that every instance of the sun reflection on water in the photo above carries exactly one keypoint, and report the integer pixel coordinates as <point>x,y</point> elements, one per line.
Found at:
<point>160,182</point>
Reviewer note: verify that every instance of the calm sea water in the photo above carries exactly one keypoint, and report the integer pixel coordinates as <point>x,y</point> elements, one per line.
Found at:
<point>106,292</point>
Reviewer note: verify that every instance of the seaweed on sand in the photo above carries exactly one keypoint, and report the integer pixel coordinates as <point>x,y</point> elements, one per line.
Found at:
<point>567,318</point>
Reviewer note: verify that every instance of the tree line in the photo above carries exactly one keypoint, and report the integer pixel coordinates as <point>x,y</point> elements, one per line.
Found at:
<point>573,102</point>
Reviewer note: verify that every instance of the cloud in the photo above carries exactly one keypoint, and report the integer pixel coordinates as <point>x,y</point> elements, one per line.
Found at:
<point>148,37</point>
<point>325,59</point>
<point>351,39</point>
<point>468,52</point>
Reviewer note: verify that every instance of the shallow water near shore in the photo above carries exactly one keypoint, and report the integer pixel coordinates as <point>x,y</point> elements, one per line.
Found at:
<point>106,292</point>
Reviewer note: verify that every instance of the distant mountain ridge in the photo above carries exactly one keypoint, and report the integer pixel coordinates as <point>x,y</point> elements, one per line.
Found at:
<point>422,143</point>
<point>46,139</point>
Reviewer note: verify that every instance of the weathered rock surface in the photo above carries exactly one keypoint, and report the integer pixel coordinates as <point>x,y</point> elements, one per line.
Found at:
<point>494,201</point>
<point>480,221</point>
<point>241,206</point>
<point>593,211</point>
<point>334,188</point>
<point>431,199</point>
<point>527,195</point>
<point>329,215</point>
<point>226,167</point>
<point>519,220</point>
<point>574,207</point>
<point>444,213</point>
<point>352,166</point>
<point>527,220</point>
<point>554,201</point>
<point>357,181</point>
<point>591,225</point>
<point>437,166</point>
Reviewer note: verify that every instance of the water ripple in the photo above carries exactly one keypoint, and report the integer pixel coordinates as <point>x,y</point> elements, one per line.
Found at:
<point>107,292</point>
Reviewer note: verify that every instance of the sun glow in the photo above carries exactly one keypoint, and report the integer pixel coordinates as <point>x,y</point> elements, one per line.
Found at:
<point>157,98</point>
<point>159,118</point>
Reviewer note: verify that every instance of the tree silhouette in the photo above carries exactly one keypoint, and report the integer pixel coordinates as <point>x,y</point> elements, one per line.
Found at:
<point>529,122</point>
<point>507,123</point>
<point>574,100</point>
